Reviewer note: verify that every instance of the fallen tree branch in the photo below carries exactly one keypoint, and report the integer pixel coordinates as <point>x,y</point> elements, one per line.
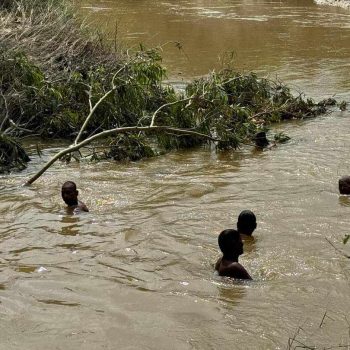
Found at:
<point>74,147</point>
<point>93,109</point>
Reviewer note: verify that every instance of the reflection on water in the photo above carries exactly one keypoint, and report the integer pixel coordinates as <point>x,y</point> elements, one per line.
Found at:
<point>230,293</point>
<point>249,243</point>
<point>70,225</point>
<point>344,200</point>
<point>58,302</point>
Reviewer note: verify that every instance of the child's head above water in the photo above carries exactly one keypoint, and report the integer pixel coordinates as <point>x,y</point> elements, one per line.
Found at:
<point>344,185</point>
<point>69,193</point>
<point>246,223</point>
<point>230,243</point>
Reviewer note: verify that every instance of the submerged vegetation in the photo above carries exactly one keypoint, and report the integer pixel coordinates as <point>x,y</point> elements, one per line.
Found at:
<point>60,80</point>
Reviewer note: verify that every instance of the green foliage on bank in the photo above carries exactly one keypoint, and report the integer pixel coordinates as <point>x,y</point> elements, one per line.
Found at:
<point>12,154</point>
<point>58,70</point>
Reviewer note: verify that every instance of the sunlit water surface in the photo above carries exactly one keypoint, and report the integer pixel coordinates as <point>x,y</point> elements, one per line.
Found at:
<point>301,42</point>
<point>137,271</point>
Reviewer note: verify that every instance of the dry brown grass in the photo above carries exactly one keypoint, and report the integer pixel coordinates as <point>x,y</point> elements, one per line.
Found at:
<point>52,36</point>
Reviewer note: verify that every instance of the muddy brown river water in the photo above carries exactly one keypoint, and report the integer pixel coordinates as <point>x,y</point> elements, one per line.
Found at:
<point>137,271</point>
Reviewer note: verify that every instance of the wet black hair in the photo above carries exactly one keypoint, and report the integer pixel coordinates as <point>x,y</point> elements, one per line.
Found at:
<point>261,140</point>
<point>246,222</point>
<point>70,183</point>
<point>344,185</point>
<point>228,240</point>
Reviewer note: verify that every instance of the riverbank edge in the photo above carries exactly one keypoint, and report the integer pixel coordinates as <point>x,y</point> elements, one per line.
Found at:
<point>53,90</point>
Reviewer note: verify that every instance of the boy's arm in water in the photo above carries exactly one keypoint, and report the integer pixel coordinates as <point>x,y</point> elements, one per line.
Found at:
<point>217,265</point>
<point>234,270</point>
<point>82,206</point>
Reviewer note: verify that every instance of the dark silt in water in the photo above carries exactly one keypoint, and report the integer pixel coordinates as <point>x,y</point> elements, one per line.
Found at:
<point>137,271</point>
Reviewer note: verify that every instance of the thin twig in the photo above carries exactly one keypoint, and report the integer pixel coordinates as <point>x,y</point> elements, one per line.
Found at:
<point>166,105</point>
<point>291,340</point>
<point>325,313</point>
<point>115,35</point>
<point>304,346</point>
<point>337,249</point>
<point>90,97</point>
<point>93,109</point>
<point>7,112</point>
<point>347,321</point>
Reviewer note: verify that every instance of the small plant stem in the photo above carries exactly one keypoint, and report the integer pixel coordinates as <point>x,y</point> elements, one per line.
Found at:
<point>166,105</point>
<point>7,112</point>
<point>337,249</point>
<point>93,109</point>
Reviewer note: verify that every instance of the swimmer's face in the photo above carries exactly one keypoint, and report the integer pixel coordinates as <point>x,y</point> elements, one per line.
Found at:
<point>239,248</point>
<point>69,195</point>
<point>344,186</point>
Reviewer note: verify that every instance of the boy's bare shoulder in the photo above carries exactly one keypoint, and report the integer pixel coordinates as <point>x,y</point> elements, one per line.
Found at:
<point>82,206</point>
<point>234,270</point>
<point>218,263</point>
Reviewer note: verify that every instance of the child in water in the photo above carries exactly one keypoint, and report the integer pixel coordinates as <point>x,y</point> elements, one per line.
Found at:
<point>231,245</point>
<point>70,196</point>
<point>246,223</point>
<point>344,185</point>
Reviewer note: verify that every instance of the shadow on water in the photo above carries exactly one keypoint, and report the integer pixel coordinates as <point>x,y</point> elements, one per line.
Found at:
<point>70,225</point>
<point>249,244</point>
<point>231,293</point>
<point>344,201</point>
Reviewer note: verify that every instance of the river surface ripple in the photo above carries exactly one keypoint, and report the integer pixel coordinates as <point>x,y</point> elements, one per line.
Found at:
<point>138,268</point>
<point>306,44</point>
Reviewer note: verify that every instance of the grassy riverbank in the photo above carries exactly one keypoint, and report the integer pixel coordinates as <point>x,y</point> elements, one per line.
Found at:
<point>55,69</point>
